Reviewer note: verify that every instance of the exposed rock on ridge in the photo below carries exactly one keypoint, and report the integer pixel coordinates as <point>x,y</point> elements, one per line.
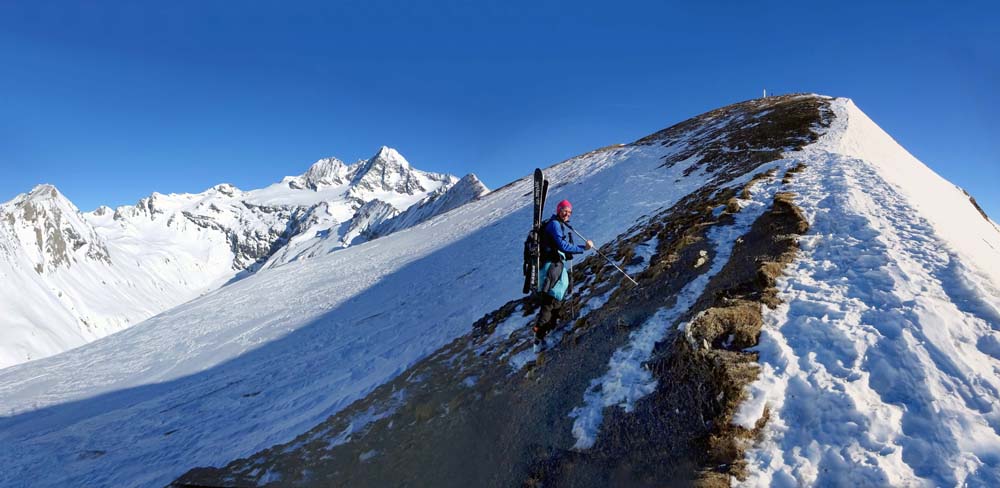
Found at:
<point>460,416</point>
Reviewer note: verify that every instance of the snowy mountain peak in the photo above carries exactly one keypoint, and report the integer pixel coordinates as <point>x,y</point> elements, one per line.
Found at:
<point>388,171</point>
<point>43,192</point>
<point>470,183</point>
<point>51,230</point>
<point>33,205</point>
<point>226,189</point>
<point>386,153</point>
<point>324,173</point>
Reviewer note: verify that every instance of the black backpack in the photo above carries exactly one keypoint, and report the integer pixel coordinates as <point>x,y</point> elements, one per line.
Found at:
<point>538,248</point>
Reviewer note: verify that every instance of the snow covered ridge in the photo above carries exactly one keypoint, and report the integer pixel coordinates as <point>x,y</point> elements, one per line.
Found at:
<point>706,292</point>
<point>75,277</point>
<point>407,360</point>
<point>484,409</point>
<point>880,367</point>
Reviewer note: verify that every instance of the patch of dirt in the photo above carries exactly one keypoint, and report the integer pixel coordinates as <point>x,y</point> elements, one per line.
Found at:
<point>682,434</point>
<point>737,138</point>
<point>791,172</point>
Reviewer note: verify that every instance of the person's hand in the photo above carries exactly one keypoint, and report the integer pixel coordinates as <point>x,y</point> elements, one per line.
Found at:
<point>590,245</point>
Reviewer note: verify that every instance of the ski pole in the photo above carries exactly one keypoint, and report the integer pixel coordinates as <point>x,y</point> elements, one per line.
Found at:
<point>598,251</point>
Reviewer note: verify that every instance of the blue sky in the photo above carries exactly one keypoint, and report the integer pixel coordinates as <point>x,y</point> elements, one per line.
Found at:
<point>111,101</point>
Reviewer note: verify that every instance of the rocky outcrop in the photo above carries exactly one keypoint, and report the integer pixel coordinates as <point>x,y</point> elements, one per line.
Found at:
<point>369,216</point>
<point>52,230</point>
<point>326,172</point>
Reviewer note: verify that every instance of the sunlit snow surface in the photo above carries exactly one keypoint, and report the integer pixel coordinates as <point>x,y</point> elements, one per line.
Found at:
<point>264,359</point>
<point>881,366</point>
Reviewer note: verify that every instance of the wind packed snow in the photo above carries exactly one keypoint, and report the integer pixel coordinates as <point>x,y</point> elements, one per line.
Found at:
<point>880,369</point>
<point>263,359</point>
<point>627,380</point>
<point>517,321</point>
<point>595,303</point>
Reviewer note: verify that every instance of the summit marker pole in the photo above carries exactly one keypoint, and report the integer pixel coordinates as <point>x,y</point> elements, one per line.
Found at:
<point>605,257</point>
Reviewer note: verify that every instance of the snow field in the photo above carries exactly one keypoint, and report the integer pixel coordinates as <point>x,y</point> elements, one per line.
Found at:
<point>878,368</point>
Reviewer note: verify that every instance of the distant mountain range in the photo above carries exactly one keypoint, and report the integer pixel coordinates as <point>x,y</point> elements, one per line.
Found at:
<point>72,277</point>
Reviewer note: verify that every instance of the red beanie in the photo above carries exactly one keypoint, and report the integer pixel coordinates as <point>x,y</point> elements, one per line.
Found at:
<point>564,204</point>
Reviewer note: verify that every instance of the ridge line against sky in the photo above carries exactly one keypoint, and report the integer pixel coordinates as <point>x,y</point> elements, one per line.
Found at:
<point>113,101</point>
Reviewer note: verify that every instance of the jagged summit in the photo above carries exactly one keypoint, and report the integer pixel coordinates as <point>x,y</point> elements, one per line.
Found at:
<point>391,156</point>
<point>44,194</point>
<point>388,171</point>
<point>470,182</point>
<point>326,172</point>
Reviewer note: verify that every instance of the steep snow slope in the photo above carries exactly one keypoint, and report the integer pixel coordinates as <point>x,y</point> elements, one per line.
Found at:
<point>881,366</point>
<point>258,362</point>
<point>73,277</point>
<point>485,410</point>
<point>269,356</point>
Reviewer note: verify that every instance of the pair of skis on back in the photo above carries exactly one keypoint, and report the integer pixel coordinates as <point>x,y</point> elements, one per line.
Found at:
<point>532,245</point>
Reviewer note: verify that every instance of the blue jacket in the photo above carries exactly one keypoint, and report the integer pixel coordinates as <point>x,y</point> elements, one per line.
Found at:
<point>555,277</point>
<point>563,241</point>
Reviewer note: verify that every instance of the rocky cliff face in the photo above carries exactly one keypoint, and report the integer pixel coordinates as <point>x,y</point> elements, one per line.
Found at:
<point>50,230</point>
<point>325,173</point>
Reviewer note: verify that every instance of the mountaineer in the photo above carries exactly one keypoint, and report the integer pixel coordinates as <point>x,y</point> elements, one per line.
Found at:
<point>555,275</point>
